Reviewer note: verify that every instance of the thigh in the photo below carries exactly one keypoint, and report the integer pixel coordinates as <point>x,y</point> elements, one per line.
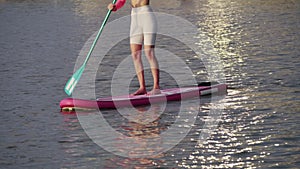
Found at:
<point>149,39</point>
<point>149,24</point>
<point>136,31</point>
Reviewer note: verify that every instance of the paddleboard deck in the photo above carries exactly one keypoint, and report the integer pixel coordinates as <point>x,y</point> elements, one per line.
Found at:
<point>173,94</point>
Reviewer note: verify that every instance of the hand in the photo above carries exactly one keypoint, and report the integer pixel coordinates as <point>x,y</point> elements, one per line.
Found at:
<point>111,7</point>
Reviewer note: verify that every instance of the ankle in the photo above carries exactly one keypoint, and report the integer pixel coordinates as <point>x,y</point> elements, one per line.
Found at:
<point>156,87</point>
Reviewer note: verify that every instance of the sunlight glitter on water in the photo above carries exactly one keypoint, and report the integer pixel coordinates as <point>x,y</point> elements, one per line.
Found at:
<point>257,41</point>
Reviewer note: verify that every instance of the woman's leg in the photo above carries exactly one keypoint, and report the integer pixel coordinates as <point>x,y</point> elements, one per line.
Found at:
<point>150,54</point>
<point>136,52</point>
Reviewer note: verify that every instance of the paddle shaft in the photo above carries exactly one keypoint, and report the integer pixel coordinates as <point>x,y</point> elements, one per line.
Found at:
<point>98,35</point>
<point>69,87</point>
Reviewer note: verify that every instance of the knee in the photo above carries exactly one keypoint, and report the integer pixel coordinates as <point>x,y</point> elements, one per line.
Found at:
<point>150,54</point>
<point>136,56</point>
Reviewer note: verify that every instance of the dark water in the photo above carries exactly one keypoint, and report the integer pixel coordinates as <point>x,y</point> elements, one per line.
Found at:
<point>258,42</point>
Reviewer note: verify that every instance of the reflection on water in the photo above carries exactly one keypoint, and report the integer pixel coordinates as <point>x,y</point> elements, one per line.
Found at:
<point>221,23</point>
<point>257,42</point>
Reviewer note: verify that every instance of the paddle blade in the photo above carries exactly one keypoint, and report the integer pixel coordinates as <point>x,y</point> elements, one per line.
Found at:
<point>70,85</point>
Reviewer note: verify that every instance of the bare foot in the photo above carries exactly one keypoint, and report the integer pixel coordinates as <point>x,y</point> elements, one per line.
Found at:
<point>140,91</point>
<point>154,92</point>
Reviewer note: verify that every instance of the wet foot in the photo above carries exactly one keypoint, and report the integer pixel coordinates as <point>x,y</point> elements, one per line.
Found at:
<point>154,92</point>
<point>139,92</point>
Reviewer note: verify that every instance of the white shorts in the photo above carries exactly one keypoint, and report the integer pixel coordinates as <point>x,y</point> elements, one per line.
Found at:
<point>143,26</point>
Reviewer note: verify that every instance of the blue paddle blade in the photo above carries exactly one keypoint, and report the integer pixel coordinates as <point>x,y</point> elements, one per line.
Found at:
<point>70,85</point>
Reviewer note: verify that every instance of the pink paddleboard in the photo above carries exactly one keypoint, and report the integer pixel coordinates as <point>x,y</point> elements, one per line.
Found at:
<point>174,94</point>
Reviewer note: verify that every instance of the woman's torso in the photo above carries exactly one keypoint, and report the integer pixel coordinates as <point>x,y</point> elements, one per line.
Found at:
<point>139,3</point>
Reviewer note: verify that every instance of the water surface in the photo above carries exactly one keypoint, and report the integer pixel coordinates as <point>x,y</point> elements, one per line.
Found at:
<point>257,41</point>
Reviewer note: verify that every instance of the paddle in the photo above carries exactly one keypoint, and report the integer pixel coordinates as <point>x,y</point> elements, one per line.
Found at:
<point>70,85</point>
